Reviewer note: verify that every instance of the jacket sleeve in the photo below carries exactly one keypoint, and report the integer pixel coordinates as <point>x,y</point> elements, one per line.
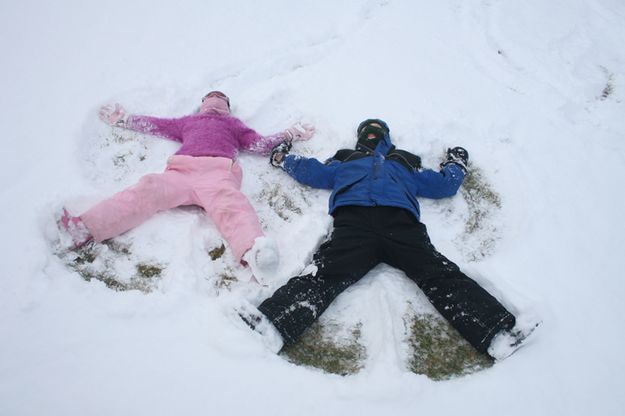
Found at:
<point>310,171</point>
<point>251,141</point>
<point>432,184</point>
<point>169,128</point>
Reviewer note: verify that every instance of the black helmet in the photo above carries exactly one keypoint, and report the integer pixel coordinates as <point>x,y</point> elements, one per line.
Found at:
<point>369,136</point>
<point>371,121</point>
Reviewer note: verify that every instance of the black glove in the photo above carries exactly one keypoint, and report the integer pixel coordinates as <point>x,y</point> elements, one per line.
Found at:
<point>278,152</point>
<point>459,156</point>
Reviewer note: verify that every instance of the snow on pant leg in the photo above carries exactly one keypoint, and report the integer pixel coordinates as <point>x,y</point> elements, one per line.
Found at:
<point>131,207</point>
<point>341,261</point>
<point>218,192</point>
<point>470,309</point>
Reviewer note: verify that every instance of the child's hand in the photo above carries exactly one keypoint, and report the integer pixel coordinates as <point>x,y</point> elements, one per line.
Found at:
<point>278,152</point>
<point>113,115</point>
<point>299,132</point>
<point>459,156</point>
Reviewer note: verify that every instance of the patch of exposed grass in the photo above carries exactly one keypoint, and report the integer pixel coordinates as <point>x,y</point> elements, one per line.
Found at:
<point>217,252</point>
<point>481,198</point>
<point>438,351</point>
<point>93,261</point>
<point>149,270</point>
<point>280,201</point>
<point>119,160</point>
<point>141,284</point>
<point>318,348</point>
<point>608,89</point>
<point>482,201</point>
<point>129,149</point>
<point>225,280</point>
<point>121,136</point>
<point>117,247</point>
<point>84,256</point>
<point>146,278</point>
<point>106,278</point>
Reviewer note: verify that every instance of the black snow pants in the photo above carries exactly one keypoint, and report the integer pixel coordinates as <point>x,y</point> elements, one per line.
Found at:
<point>366,236</point>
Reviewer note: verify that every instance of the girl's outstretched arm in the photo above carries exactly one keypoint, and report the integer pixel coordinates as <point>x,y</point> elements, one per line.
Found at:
<point>253,142</point>
<point>116,115</point>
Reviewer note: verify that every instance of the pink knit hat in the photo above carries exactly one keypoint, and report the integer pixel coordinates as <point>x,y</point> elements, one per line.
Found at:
<point>215,101</point>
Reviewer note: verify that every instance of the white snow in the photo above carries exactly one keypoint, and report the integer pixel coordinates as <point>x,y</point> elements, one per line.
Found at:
<point>534,90</point>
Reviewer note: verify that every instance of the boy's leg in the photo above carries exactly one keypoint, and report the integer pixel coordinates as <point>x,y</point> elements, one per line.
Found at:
<point>129,208</point>
<point>341,261</point>
<point>470,309</point>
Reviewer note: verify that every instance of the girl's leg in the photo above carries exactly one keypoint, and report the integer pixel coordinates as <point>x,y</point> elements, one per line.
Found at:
<point>218,192</point>
<point>129,208</point>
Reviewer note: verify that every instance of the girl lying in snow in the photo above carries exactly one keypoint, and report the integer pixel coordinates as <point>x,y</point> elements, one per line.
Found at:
<point>203,172</point>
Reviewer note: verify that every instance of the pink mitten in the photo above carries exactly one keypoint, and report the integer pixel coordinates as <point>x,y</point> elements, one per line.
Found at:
<point>299,132</point>
<point>115,115</point>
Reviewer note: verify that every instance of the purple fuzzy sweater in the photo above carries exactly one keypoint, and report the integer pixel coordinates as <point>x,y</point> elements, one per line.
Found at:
<point>206,134</point>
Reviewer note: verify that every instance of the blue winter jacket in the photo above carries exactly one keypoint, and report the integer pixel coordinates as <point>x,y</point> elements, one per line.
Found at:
<point>375,179</point>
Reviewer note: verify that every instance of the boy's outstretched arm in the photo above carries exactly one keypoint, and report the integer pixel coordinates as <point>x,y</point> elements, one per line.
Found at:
<point>308,171</point>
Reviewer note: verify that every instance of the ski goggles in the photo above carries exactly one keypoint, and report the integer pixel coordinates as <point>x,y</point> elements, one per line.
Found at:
<point>217,94</point>
<point>372,121</point>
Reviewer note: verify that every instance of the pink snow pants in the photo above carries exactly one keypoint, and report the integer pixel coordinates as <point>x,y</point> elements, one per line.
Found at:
<point>213,183</point>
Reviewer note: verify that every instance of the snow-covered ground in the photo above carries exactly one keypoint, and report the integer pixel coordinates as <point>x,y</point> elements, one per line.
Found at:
<point>534,90</point>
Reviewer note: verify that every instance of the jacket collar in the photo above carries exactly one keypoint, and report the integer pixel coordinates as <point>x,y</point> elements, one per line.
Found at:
<point>383,146</point>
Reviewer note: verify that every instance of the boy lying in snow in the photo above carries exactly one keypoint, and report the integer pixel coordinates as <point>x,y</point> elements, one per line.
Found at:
<point>376,219</point>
